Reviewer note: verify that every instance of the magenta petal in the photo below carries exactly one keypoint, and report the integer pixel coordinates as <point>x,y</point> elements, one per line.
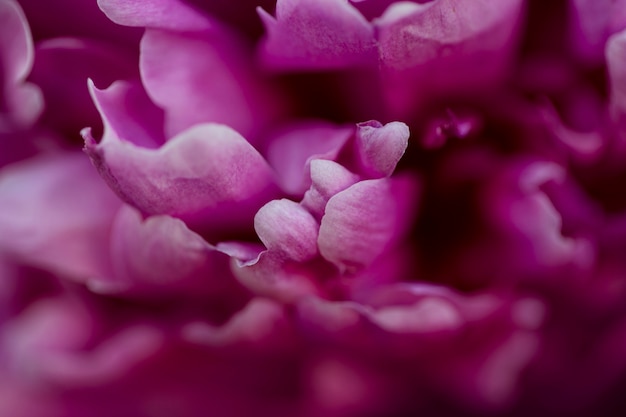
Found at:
<point>175,67</point>
<point>362,221</point>
<point>317,34</point>
<point>128,114</point>
<point>208,169</point>
<point>164,14</point>
<point>291,151</point>
<point>285,227</point>
<point>592,22</point>
<point>260,322</point>
<point>616,58</point>
<point>62,222</point>
<point>160,255</point>
<point>328,178</point>
<point>444,46</point>
<point>381,147</point>
<point>22,101</point>
<point>270,274</point>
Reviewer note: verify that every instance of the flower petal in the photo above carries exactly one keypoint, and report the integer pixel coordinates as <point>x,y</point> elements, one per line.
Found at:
<point>164,14</point>
<point>364,220</point>
<point>160,256</point>
<point>328,178</point>
<point>128,114</point>
<point>174,68</point>
<point>444,46</point>
<point>62,222</point>
<point>381,147</point>
<point>290,152</point>
<point>22,101</point>
<point>208,173</point>
<point>316,34</point>
<point>285,227</point>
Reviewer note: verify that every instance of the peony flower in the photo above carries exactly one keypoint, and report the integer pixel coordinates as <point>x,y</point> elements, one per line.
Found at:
<point>312,208</point>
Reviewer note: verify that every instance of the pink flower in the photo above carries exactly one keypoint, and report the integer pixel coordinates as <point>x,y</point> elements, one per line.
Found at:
<point>312,208</point>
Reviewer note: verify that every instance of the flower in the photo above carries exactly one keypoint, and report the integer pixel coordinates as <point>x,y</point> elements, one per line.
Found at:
<point>312,207</point>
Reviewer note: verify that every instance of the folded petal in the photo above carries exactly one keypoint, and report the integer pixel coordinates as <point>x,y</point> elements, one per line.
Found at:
<point>328,178</point>
<point>208,173</point>
<point>291,151</point>
<point>127,113</point>
<point>56,215</point>
<point>317,34</point>
<point>160,256</point>
<point>381,147</point>
<point>362,222</point>
<point>175,67</point>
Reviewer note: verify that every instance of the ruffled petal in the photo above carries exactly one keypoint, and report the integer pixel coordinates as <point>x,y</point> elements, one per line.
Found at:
<point>208,173</point>
<point>62,223</point>
<point>317,34</point>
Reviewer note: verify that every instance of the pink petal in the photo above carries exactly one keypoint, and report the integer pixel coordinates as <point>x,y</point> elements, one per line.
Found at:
<point>592,22</point>
<point>316,34</point>
<point>445,46</point>
<point>364,220</point>
<point>128,114</point>
<point>291,151</point>
<point>616,56</point>
<point>62,223</point>
<point>21,102</point>
<point>163,14</point>
<point>209,173</point>
<point>270,274</point>
<point>381,147</point>
<point>160,256</point>
<point>328,178</point>
<point>285,227</point>
<point>174,68</point>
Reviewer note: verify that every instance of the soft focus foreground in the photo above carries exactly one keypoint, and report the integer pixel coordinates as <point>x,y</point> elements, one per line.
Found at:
<point>312,208</point>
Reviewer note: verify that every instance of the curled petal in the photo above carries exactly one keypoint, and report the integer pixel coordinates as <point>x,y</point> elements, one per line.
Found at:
<point>291,151</point>
<point>285,227</point>
<point>206,169</point>
<point>128,114</point>
<point>62,223</point>
<point>363,221</point>
<point>381,147</point>
<point>328,178</point>
<point>317,34</point>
